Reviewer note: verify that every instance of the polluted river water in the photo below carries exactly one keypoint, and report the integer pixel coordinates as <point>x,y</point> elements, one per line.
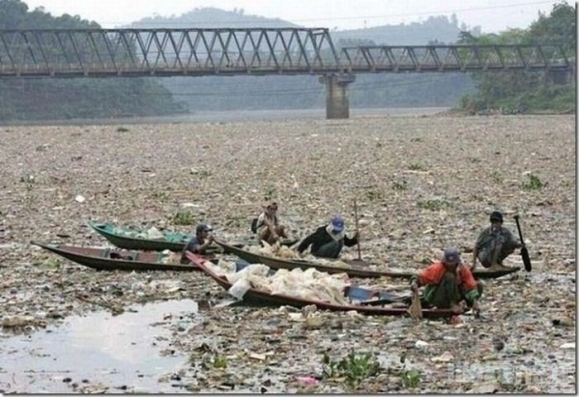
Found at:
<point>98,353</point>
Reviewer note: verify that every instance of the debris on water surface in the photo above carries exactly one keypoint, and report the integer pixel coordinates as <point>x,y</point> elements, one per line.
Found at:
<point>487,388</point>
<point>444,358</point>
<point>20,321</point>
<point>412,203</point>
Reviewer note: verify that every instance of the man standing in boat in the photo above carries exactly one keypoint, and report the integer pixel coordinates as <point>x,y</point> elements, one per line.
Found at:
<point>267,225</point>
<point>449,283</point>
<point>494,244</point>
<point>327,241</point>
<point>199,243</point>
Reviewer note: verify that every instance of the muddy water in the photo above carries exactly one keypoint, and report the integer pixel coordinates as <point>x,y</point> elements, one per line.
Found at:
<point>99,352</point>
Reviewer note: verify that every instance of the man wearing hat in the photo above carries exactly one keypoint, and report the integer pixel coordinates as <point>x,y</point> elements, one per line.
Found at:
<point>449,283</point>
<point>328,241</point>
<point>199,243</point>
<point>494,244</point>
<point>267,225</point>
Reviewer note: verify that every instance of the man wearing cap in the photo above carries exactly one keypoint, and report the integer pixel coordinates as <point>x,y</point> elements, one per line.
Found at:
<point>268,227</point>
<point>448,284</point>
<point>494,244</point>
<point>199,243</point>
<point>328,241</point>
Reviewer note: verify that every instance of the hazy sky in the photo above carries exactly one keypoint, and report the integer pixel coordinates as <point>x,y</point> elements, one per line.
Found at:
<point>491,15</point>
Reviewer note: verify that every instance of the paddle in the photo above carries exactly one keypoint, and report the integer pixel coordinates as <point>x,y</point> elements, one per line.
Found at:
<point>415,309</point>
<point>357,228</point>
<point>524,252</point>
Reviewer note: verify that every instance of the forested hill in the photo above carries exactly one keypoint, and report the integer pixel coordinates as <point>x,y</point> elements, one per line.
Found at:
<point>299,92</point>
<point>212,18</point>
<point>438,29</point>
<point>118,97</point>
<point>46,99</point>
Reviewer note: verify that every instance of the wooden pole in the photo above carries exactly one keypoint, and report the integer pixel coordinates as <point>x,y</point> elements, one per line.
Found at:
<point>357,228</point>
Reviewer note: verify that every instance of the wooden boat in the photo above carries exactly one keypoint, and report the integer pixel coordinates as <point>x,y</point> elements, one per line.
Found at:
<point>171,240</point>
<point>367,307</point>
<point>357,269</point>
<point>116,259</point>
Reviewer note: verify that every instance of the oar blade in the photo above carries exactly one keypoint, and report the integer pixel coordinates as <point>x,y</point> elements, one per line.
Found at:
<point>526,259</point>
<point>415,309</point>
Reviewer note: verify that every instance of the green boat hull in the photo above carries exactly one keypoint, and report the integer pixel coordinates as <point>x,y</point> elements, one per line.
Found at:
<point>172,241</point>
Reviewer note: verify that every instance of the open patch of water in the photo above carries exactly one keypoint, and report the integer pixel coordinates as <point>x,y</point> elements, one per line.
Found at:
<point>97,351</point>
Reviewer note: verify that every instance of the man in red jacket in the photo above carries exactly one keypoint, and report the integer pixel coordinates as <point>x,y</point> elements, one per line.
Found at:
<point>448,284</point>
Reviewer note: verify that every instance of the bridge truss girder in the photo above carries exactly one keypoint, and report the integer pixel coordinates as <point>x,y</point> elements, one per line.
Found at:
<point>455,58</point>
<point>257,51</point>
<point>165,52</point>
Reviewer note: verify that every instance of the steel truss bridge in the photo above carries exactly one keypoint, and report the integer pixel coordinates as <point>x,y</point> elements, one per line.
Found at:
<point>253,51</point>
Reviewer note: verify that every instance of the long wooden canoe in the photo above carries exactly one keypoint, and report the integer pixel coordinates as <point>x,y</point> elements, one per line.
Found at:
<point>357,269</point>
<point>116,259</point>
<point>134,239</point>
<point>263,298</point>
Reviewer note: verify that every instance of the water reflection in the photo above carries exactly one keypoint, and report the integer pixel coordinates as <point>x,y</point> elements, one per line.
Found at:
<point>120,351</point>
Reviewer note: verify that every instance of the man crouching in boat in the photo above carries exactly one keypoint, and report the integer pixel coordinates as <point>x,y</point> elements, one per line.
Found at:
<point>199,243</point>
<point>267,225</point>
<point>494,244</point>
<point>448,284</point>
<point>328,241</point>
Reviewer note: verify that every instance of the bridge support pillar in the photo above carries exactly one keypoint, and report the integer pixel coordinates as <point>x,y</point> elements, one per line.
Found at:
<point>337,104</point>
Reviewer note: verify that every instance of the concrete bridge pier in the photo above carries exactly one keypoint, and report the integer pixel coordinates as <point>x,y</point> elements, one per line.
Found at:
<point>337,104</point>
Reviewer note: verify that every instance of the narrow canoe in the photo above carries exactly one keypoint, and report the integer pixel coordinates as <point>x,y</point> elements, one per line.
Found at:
<point>263,298</point>
<point>125,237</point>
<point>116,259</point>
<point>357,269</point>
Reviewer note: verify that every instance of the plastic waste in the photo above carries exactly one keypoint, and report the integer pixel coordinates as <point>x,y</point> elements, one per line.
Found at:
<point>239,289</point>
<point>154,234</point>
<point>307,380</point>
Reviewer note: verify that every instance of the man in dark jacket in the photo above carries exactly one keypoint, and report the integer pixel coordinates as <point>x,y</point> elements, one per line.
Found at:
<point>328,241</point>
<point>199,243</point>
<point>494,244</point>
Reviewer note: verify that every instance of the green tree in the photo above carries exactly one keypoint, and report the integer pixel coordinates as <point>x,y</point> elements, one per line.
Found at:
<point>49,98</point>
<point>523,91</point>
